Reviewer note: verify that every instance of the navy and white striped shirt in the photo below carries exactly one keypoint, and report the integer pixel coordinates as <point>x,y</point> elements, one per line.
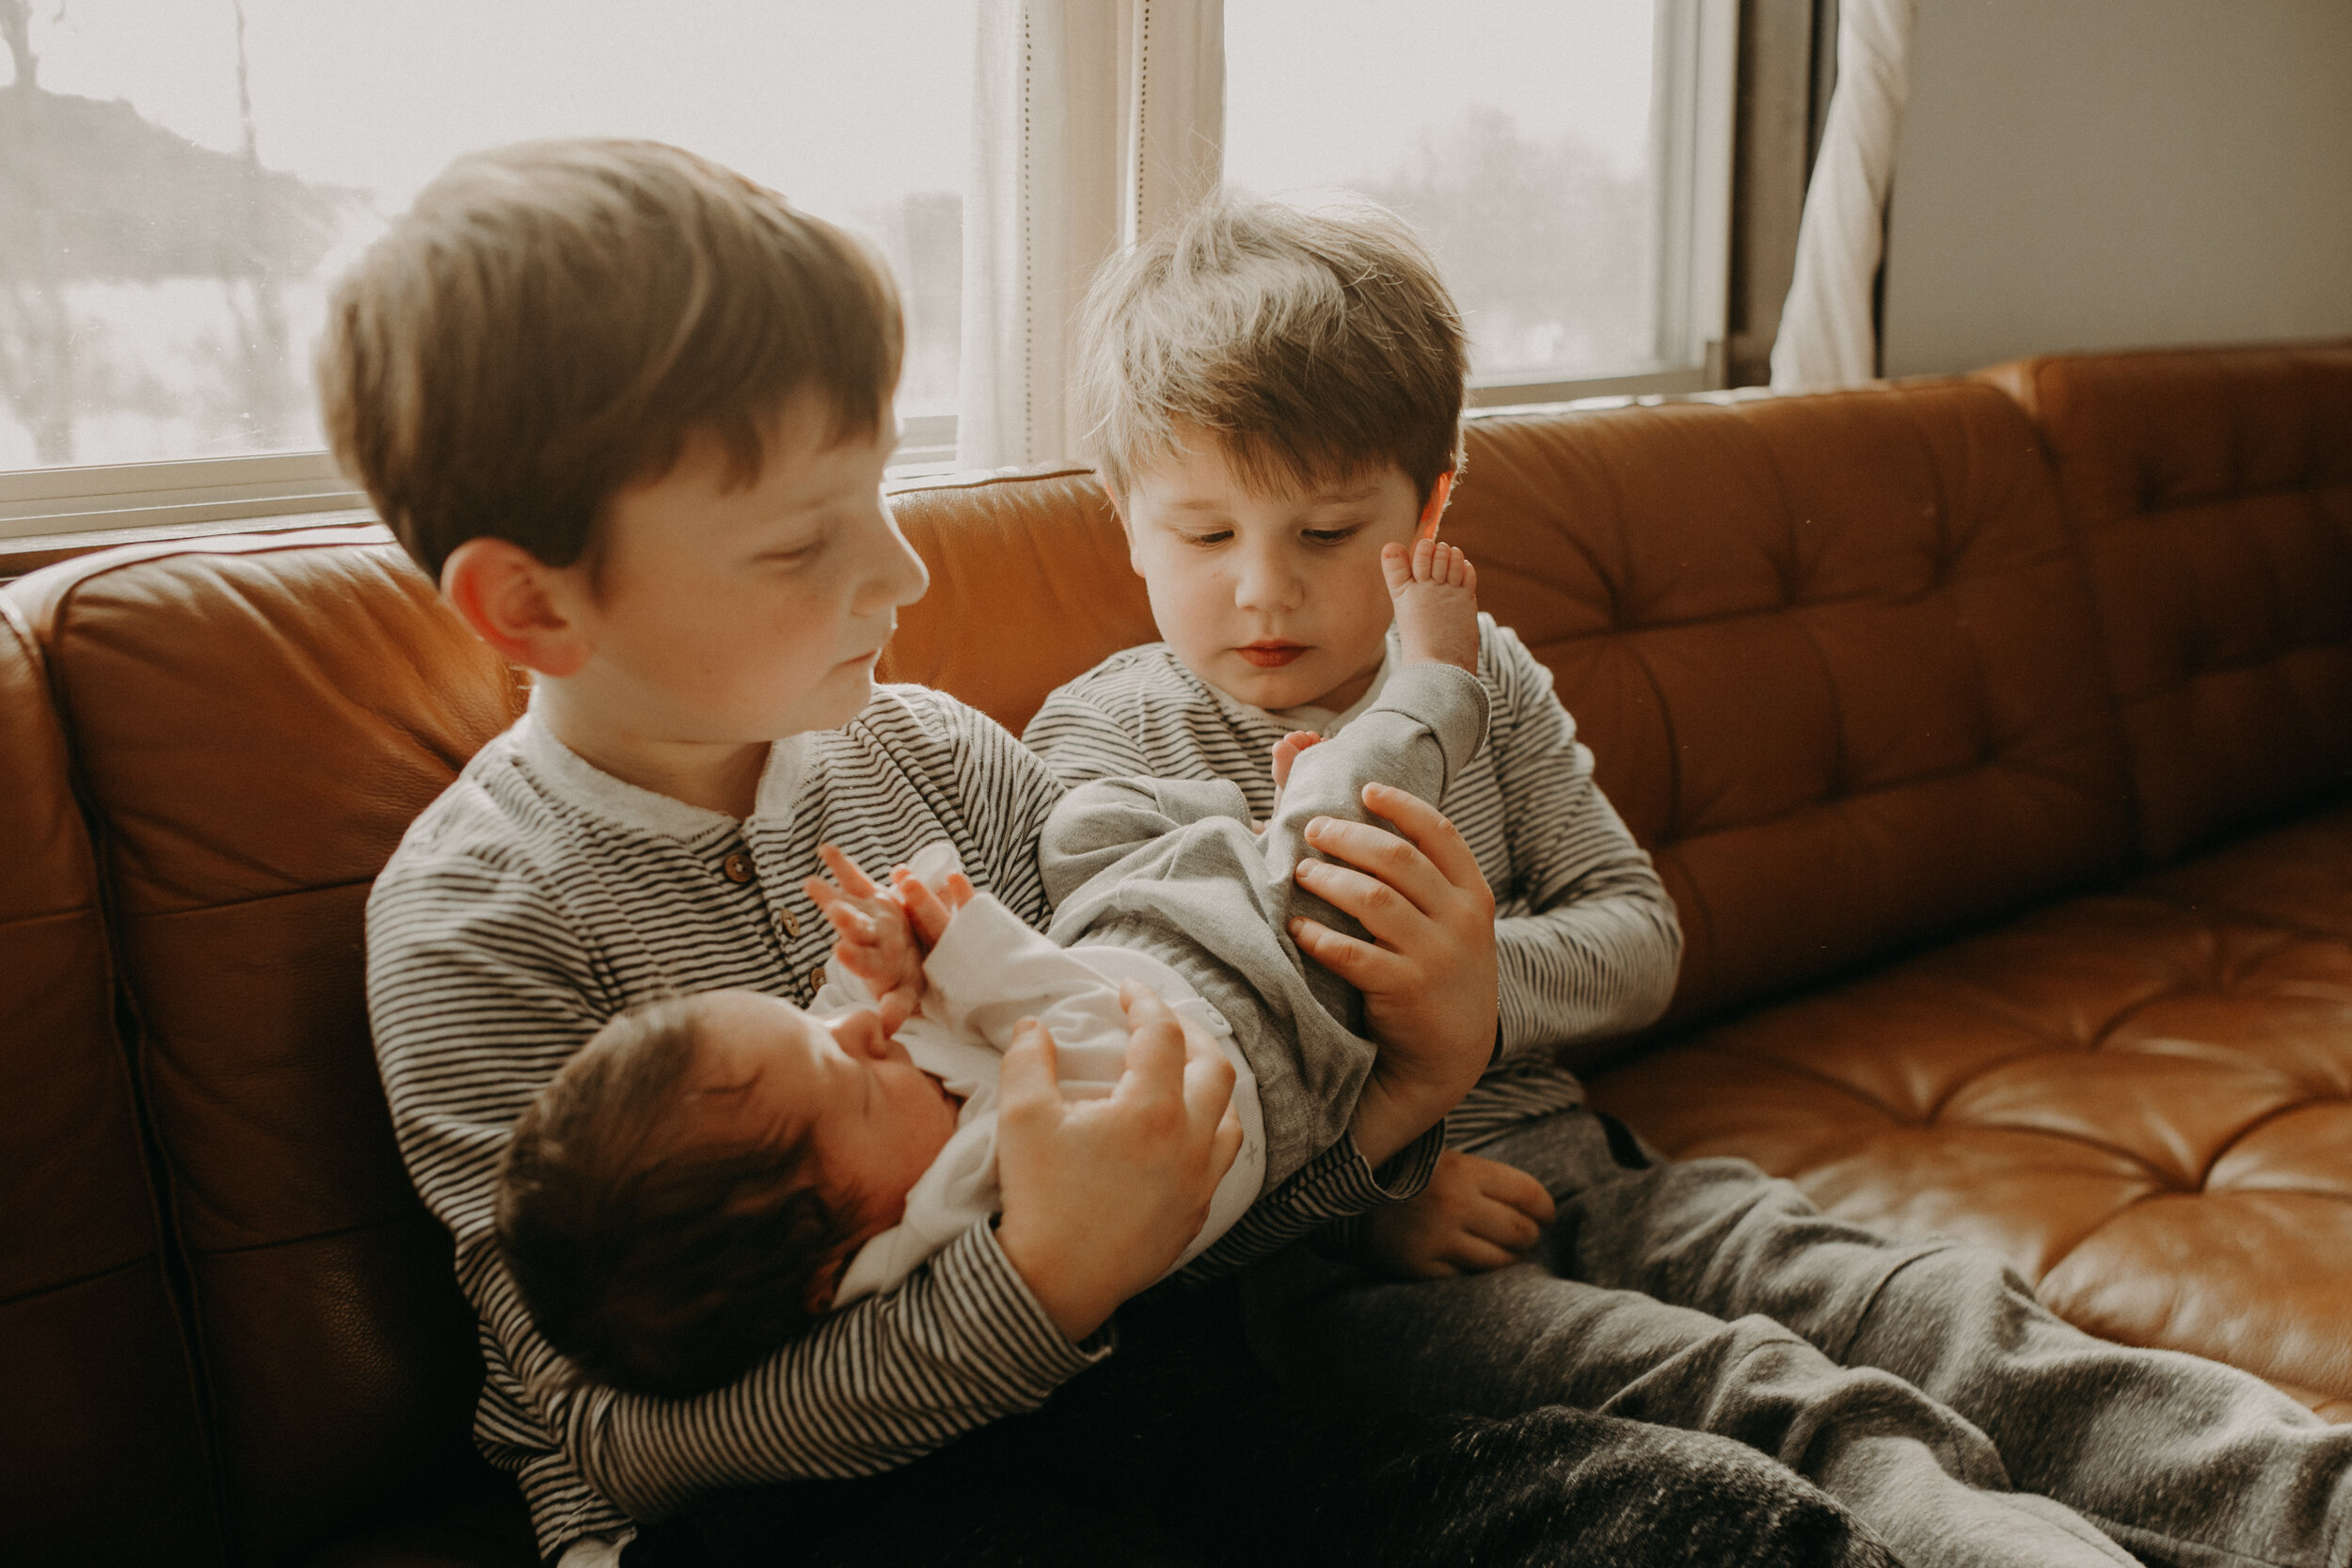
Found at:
<point>538,897</point>
<point>1584,933</point>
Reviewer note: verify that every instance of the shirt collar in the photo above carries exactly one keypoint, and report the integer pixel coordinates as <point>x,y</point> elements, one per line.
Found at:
<point>591,789</point>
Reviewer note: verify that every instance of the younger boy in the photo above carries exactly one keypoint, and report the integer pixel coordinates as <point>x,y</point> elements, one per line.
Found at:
<point>713,1172</point>
<point>1276,396</point>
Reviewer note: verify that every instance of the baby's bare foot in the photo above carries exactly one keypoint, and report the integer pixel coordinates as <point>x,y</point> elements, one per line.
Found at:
<point>1434,590</point>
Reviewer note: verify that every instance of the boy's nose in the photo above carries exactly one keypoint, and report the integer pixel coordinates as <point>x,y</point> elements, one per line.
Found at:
<point>1265,581</point>
<point>895,575</point>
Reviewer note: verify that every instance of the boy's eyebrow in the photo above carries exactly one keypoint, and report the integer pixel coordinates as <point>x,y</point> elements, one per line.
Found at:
<point>1320,497</point>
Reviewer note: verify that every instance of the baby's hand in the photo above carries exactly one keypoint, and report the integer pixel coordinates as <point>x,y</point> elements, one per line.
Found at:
<point>876,942</point>
<point>1474,1215</point>
<point>930,911</point>
<point>1286,753</point>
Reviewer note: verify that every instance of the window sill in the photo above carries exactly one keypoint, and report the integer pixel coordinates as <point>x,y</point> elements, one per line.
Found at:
<point>30,553</point>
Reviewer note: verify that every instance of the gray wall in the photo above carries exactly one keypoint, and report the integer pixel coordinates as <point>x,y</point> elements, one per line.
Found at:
<point>2091,174</point>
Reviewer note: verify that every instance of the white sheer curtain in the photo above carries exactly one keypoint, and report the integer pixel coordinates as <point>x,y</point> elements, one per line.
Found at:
<point>1093,120</point>
<point>1826,338</point>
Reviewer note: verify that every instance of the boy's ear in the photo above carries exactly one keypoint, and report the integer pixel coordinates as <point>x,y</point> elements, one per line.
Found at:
<point>1440,494</point>
<point>1120,512</point>
<point>516,603</point>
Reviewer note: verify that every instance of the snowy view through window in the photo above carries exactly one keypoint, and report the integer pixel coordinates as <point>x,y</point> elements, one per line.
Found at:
<point>1516,135</point>
<point>181,180</point>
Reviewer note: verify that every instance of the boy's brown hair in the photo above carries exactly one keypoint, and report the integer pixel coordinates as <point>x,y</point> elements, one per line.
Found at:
<point>549,322</point>
<point>655,1264</point>
<point>1314,344</point>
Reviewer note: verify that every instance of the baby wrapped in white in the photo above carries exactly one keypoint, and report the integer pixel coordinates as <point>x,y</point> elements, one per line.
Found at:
<point>987,974</point>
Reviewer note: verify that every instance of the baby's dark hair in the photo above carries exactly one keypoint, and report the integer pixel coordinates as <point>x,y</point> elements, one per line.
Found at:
<point>657,1264</point>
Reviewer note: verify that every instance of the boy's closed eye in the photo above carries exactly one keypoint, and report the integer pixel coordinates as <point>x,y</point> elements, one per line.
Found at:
<point>799,550</point>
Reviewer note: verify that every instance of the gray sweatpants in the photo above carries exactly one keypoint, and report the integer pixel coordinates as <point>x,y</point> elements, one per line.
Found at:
<point>1169,866</point>
<point>1917,1382</point>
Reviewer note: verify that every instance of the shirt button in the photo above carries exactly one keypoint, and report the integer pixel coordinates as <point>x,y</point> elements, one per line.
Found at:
<point>817,979</point>
<point>737,866</point>
<point>791,925</point>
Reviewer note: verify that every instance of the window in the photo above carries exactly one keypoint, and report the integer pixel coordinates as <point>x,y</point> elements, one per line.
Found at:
<point>1550,150</point>
<point>184,181</point>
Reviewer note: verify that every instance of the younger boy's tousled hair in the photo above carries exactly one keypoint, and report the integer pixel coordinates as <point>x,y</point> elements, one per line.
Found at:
<point>1314,344</point>
<point>655,1265</point>
<point>550,321</point>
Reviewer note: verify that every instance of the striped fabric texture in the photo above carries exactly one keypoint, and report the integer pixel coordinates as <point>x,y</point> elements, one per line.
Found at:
<point>1585,935</point>
<point>539,896</point>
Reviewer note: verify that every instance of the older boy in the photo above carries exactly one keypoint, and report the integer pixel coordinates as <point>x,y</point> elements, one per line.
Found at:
<point>1277,396</point>
<point>630,412</point>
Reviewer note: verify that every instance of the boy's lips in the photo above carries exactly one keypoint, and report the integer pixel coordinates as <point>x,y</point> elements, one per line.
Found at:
<point>1271,654</point>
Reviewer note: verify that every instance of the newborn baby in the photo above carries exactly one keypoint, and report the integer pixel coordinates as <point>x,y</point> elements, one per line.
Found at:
<point>711,1173</point>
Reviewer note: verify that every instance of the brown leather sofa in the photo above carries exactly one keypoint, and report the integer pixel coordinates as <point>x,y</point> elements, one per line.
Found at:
<point>1992,737</point>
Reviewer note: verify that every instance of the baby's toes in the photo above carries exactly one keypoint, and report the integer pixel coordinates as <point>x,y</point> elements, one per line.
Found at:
<point>1396,564</point>
<point>1426,561</point>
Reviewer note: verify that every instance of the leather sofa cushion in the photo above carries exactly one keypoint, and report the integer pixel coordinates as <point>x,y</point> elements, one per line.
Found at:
<point>2211,492</point>
<point>2142,1100</point>
<point>1030,586</point>
<point>101,1454</point>
<point>258,719</point>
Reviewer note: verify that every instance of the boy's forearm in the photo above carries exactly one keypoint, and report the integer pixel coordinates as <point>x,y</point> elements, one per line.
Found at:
<point>877,1386</point>
<point>1593,969</point>
<point>1338,1185</point>
<point>1392,1115</point>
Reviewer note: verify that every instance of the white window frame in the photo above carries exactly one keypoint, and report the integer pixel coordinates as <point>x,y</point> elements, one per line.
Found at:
<point>1697,55</point>
<point>1692,107</point>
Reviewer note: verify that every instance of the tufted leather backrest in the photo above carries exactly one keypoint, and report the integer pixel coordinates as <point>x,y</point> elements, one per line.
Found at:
<point>2211,493</point>
<point>1815,643</point>
<point>1832,642</point>
<point>101,1455</point>
<point>255,722</point>
<point>1030,586</point>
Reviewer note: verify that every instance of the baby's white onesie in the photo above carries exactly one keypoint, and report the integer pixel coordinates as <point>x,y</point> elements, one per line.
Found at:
<point>987,973</point>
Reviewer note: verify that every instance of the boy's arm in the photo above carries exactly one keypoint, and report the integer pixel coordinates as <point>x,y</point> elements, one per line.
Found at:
<point>1600,954</point>
<point>478,990</point>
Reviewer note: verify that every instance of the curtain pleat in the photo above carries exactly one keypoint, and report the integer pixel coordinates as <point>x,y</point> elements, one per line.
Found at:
<point>1093,120</point>
<point>1827,337</point>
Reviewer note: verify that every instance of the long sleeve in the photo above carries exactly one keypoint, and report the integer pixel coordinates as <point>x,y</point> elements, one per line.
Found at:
<point>1593,947</point>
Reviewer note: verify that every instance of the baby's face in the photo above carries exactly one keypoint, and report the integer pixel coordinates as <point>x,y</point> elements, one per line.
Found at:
<point>766,1071</point>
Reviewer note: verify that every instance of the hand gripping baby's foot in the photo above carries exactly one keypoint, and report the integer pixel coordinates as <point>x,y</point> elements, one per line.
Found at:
<point>1434,590</point>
